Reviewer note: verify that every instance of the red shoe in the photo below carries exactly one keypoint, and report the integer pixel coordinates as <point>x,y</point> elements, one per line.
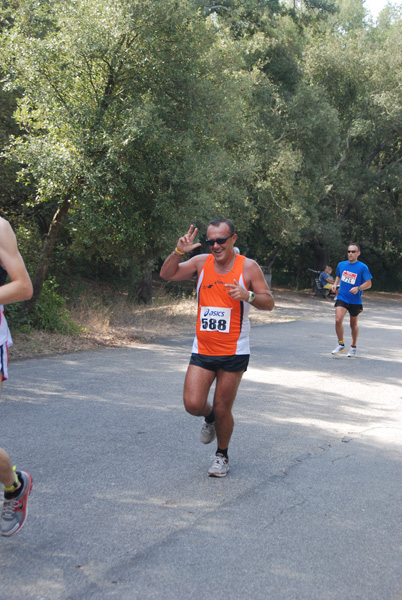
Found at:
<point>15,510</point>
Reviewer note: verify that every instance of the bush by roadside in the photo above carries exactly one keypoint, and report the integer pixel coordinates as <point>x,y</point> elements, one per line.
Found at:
<point>98,316</point>
<point>105,317</point>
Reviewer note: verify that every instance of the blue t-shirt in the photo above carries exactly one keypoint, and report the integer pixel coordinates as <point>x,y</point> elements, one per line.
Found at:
<point>351,275</point>
<point>324,278</point>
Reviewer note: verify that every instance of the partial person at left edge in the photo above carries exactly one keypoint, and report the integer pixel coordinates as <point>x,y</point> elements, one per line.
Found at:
<point>17,485</point>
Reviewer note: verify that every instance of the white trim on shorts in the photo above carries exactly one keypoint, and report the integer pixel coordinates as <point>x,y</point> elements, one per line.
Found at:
<point>4,360</point>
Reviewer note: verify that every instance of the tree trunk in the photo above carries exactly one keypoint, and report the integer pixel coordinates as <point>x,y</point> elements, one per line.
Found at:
<point>271,257</point>
<point>46,254</point>
<point>145,289</point>
<point>320,254</point>
<point>301,265</point>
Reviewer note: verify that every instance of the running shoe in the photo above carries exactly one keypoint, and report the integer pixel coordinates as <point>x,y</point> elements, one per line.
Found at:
<point>352,352</point>
<point>339,349</point>
<point>208,432</point>
<point>15,509</point>
<point>219,467</point>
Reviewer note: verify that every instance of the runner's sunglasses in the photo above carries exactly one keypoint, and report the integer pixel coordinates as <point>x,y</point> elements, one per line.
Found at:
<point>219,241</point>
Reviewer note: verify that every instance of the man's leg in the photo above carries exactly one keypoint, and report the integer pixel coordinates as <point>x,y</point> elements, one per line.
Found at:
<point>227,384</point>
<point>7,476</point>
<point>354,329</point>
<point>340,312</point>
<point>196,389</point>
<point>17,487</point>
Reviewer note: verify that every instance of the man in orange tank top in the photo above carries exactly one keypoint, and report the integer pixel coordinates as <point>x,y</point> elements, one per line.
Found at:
<point>228,283</point>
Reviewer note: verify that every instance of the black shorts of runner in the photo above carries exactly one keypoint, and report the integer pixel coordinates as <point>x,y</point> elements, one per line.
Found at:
<point>353,309</point>
<point>226,363</point>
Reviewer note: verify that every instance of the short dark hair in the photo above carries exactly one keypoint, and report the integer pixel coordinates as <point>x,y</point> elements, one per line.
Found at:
<point>354,244</point>
<point>217,222</point>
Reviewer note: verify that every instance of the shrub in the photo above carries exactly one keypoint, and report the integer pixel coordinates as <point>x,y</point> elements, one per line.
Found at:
<point>48,314</point>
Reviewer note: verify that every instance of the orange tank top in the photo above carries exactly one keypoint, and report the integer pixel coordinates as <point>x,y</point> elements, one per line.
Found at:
<point>222,323</point>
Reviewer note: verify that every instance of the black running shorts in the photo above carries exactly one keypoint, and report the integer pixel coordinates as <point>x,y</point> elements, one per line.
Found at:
<point>226,363</point>
<point>353,309</point>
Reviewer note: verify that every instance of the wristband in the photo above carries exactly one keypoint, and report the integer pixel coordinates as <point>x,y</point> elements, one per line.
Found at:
<point>176,251</point>
<point>251,296</point>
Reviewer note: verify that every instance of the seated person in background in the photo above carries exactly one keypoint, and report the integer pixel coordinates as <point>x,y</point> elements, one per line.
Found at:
<point>325,278</point>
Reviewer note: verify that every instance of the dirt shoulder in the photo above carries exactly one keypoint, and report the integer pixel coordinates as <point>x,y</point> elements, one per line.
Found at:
<point>120,326</point>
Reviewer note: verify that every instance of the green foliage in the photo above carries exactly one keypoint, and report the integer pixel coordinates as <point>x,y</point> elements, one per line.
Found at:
<point>180,289</point>
<point>49,313</point>
<point>283,116</point>
<point>133,113</point>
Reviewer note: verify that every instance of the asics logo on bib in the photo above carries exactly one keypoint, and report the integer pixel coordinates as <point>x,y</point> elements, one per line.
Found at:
<point>214,313</point>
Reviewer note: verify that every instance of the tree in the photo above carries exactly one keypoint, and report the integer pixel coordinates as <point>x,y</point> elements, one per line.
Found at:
<point>294,130</point>
<point>131,118</point>
<point>359,68</point>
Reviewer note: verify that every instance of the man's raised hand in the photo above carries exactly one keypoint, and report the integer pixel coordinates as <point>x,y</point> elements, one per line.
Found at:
<point>186,243</point>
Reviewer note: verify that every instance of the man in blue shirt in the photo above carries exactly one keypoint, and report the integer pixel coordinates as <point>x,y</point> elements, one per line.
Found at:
<point>353,277</point>
<point>326,280</point>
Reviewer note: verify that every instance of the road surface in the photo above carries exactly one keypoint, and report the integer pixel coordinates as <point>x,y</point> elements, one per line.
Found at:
<point>122,507</point>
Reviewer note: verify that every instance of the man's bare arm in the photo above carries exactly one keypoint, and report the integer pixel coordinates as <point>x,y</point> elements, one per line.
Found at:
<point>20,287</point>
<point>337,282</point>
<point>263,300</point>
<point>359,288</point>
<point>173,269</point>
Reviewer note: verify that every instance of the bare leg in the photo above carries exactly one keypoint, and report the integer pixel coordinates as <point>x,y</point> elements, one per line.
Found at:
<point>340,312</point>
<point>227,384</point>
<point>196,388</point>
<point>7,476</point>
<point>354,329</point>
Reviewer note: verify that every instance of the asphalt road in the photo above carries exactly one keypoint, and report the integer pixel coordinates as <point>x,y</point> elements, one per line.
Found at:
<point>122,507</point>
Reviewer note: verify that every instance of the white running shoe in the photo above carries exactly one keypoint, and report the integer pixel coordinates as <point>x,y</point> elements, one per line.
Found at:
<point>352,351</point>
<point>208,432</point>
<point>339,349</point>
<point>219,467</point>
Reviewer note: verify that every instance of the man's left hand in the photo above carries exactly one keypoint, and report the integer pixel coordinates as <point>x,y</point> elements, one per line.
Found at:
<point>236,291</point>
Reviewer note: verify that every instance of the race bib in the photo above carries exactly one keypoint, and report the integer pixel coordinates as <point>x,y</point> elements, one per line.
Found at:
<point>214,318</point>
<point>348,277</point>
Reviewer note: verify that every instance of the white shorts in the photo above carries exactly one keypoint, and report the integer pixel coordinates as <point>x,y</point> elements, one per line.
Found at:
<point>4,360</point>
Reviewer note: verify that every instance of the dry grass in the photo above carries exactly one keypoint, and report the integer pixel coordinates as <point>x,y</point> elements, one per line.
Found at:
<point>109,319</point>
<point>115,312</point>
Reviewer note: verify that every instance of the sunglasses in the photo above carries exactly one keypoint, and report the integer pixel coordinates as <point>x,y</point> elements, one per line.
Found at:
<point>351,251</point>
<point>219,241</point>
